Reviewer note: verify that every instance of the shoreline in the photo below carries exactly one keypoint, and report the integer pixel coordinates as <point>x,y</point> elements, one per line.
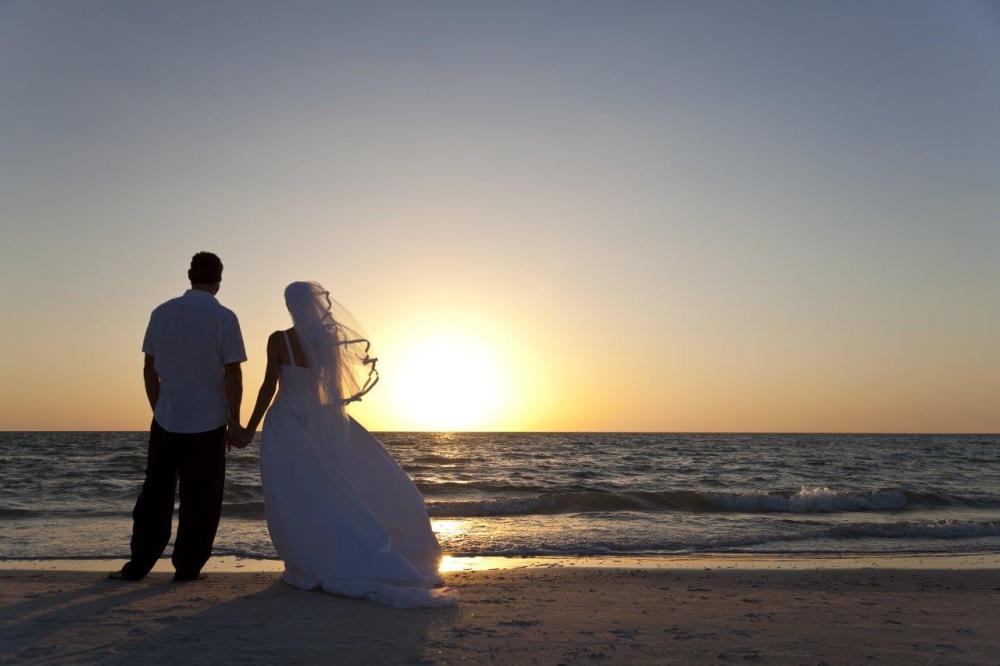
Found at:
<point>449,563</point>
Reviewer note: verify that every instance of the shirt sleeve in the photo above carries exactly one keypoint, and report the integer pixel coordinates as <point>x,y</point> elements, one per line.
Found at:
<point>232,342</point>
<point>147,340</point>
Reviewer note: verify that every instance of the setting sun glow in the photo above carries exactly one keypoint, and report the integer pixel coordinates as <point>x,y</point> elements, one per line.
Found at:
<point>446,380</point>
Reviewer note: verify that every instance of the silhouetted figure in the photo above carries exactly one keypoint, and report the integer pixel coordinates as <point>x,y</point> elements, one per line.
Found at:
<point>193,348</point>
<point>342,513</point>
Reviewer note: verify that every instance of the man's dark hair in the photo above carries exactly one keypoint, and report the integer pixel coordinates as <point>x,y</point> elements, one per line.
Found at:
<point>206,268</point>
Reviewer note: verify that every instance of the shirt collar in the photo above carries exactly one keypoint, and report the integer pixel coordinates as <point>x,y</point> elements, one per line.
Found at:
<point>198,294</point>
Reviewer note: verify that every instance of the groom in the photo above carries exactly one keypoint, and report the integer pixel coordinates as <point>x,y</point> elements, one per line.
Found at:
<point>193,348</point>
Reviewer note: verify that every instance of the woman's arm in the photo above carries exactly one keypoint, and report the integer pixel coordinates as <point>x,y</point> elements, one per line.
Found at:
<point>267,388</point>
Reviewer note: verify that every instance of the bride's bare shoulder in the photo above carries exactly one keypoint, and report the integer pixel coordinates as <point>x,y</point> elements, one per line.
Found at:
<point>275,338</point>
<point>276,346</point>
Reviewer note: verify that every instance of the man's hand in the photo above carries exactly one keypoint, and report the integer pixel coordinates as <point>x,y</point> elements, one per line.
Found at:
<point>233,431</point>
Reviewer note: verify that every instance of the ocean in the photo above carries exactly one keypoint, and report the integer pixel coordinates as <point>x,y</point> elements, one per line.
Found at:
<point>70,494</point>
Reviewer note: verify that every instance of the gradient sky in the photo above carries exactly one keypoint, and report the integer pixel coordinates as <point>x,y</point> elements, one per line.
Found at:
<point>755,216</point>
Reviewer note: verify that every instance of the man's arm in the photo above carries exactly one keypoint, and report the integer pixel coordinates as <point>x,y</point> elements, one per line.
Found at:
<point>152,380</point>
<point>234,393</point>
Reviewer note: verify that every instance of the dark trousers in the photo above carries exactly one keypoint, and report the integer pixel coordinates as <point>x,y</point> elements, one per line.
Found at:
<point>199,460</point>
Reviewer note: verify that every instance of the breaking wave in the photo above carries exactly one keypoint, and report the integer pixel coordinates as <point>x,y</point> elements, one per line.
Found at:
<point>804,500</point>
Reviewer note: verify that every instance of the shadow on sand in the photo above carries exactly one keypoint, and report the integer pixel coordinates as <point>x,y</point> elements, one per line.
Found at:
<point>281,624</point>
<point>31,628</point>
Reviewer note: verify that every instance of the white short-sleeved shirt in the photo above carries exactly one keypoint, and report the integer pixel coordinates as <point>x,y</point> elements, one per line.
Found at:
<point>190,339</point>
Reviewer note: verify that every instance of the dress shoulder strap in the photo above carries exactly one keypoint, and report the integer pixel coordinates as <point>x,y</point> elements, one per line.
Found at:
<point>291,354</point>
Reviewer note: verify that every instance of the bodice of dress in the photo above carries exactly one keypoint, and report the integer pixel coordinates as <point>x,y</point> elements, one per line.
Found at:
<point>296,388</point>
<point>296,385</point>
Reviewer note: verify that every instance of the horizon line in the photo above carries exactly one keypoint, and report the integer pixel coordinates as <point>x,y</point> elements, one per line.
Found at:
<point>600,432</point>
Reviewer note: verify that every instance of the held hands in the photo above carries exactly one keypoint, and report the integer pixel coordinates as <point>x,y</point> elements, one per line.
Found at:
<point>238,436</point>
<point>243,437</point>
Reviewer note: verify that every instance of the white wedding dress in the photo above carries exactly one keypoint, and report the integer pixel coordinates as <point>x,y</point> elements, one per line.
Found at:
<point>342,514</point>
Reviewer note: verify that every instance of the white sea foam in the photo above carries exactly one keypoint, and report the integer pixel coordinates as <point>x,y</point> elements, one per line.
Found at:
<point>818,500</point>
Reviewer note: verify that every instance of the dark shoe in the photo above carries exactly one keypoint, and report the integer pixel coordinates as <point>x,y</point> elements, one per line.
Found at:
<point>120,575</point>
<point>187,578</point>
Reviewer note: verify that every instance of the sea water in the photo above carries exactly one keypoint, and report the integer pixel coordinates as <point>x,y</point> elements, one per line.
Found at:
<point>70,494</point>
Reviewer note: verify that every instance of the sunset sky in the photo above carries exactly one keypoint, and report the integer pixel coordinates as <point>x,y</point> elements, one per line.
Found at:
<point>733,216</point>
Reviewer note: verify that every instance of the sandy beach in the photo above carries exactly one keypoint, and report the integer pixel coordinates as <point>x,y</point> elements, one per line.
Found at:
<point>633,610</point>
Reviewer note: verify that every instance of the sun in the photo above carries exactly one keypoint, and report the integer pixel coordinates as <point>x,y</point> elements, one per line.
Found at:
<point>449,379</point>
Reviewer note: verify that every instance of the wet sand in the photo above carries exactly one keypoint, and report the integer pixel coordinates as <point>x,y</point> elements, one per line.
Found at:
<point>584,611</point>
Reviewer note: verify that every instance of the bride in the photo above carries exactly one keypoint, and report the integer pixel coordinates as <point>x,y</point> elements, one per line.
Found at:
<point>342,514</point>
